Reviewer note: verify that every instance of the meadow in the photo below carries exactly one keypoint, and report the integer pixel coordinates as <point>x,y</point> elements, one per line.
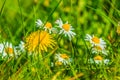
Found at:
<point>59,40</point>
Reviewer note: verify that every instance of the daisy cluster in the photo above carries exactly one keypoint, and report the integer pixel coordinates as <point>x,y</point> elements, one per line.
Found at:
<point>62,28</point>
<point>98,49</point>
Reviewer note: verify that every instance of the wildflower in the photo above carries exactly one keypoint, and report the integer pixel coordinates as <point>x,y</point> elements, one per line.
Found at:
<point>66,29</point>
<point>39,41</point>
<point>7,49</point>
<point>62,59</point>
<point>99,60</point>
<point>39,23</point>
<point>58,63</point>
<point>99,49</point>
<point>47,26</point>
<point>95,41</point>
<point>21,46</point>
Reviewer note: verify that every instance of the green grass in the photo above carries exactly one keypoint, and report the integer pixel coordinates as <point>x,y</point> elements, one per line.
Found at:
<point>94,17</point>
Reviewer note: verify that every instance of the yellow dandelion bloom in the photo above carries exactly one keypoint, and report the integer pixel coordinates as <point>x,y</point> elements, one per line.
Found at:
<point>39,41</point>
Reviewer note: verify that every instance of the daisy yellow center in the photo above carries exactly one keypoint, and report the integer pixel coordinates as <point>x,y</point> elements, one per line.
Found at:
<point>98,48</point>
<point>58,63</point>
<point>39,41</point>
<point>96,40</point>
<point>64,56</point>
<point>66,27</point>
<point>48,25</point>
<point>98,58</point>
<point>9,50</point>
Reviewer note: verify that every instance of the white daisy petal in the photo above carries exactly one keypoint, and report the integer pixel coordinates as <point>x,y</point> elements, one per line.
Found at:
<point>66,29</point>
<point>98,44</point>
<point>63,58</point>
<point>38,23</point>
<point>7,49</point>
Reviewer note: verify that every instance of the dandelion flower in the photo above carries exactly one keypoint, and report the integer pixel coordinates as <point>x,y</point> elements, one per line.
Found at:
<point>7,49</point>
<point>62,59</point>
<point>95,41</point>
<point>39,41</point>
<point>66,29</point>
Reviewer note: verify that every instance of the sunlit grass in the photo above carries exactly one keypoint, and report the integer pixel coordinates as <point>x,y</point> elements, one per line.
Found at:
<point>46,40</point>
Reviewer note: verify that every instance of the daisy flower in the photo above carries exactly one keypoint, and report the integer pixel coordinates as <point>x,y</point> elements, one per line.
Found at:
<point>21,46</point>
<point>62,59</point>
<point>7,49</point>
<point>39,23</point>
<point>39,41</point>
<point>95,41</point>
<point>47,26</point>
<point>66,29</point>
<point>99,60</point>
<point>99,49</point>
